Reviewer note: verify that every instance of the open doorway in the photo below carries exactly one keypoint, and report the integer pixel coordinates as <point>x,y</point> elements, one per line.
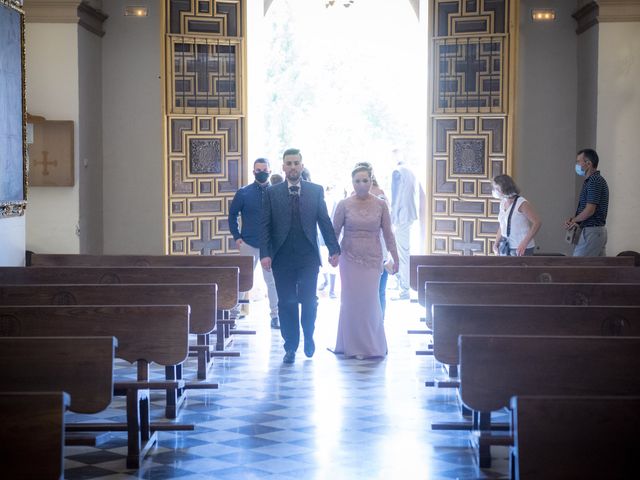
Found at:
<point>343,84</point>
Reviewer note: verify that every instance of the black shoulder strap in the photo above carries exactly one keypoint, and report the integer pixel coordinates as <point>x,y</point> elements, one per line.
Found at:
<point>515,200</point>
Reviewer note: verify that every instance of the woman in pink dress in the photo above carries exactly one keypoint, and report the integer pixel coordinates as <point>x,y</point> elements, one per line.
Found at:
<point>360,218</point>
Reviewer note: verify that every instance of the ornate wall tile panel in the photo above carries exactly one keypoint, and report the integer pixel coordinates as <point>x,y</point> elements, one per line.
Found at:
<point>205,133</point>
<point>470,120</point>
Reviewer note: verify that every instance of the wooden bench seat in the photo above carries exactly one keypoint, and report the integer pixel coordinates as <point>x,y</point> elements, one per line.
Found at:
<point>450,321</point>
<point>464,293</point>
<point>495,261</point>
<point>561,437</point>
<point>82,367</point>
<point>201,298</point>
<point>509,274</point>
<point>495,368</point>
<point>226,278</point>
<point>145,333</point>
<point>243,262</point>
<point>32,434</point>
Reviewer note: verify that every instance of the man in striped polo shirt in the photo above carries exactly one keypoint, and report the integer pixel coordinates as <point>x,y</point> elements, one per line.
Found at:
<point>591,214</point>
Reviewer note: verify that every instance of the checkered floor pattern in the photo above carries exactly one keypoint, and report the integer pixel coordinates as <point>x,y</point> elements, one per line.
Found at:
<point>320,418</point>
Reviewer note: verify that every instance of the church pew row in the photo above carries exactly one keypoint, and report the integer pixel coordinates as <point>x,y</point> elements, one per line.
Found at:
<point>146,334</point>
<point>80,366</point>
<point>243,262</point>
<point>200,297</point>
<point>542,274</point>
<point>504,293</point>
<point>450,321</point>
<point>568,437</point>
<point>32,434</point>
<point>496,261</point>
<point>226,278</point>
<point>496,368</point>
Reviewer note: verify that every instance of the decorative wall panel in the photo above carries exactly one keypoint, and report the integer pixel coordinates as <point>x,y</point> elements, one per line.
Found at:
<point>205,122</point>
<point>470,121</point>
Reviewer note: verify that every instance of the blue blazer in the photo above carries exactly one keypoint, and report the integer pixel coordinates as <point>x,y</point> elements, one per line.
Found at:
<point>276,219</point>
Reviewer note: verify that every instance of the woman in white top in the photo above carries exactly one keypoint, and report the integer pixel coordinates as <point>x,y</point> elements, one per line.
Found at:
<point>525,222</point>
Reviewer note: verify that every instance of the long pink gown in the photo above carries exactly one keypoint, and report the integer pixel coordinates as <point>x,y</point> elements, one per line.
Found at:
<point>361,327</point>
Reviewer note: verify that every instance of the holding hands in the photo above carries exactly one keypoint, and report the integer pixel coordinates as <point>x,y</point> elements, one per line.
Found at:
<point>333,259</point>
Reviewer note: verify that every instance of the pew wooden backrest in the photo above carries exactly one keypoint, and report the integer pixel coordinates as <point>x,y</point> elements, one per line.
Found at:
<point>462,293</point>
<point>153,333</point>
<point>32,434</point>
<point>243,262</point>
<point>200,297</point>
<point>226,278</point>
<point>575,437</point>
<point>495,261</point>
<point>80,366</point>
<point>495,368</point>
<point>450,321</point>
<point>542,274</point>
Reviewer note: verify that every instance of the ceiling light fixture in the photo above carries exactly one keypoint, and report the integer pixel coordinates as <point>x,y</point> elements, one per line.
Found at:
<point>136,11</point>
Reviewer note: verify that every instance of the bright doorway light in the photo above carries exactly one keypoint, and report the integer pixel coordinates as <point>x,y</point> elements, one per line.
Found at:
<point>343,85</point>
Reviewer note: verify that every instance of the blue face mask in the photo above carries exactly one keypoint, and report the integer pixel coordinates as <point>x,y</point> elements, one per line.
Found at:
<point>579,170</point>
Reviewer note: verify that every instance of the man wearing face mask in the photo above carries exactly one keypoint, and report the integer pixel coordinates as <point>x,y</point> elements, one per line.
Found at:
<point>591,213</point>
<point>247,203</point>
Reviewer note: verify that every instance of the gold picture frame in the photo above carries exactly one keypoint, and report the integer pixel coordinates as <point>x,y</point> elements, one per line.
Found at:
<point>13,144</point>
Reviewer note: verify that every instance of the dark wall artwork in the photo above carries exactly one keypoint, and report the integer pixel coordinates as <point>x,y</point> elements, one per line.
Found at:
<point>12,110</point>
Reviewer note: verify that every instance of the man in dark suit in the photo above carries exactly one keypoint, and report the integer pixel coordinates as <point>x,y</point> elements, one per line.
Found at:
<point>293,212</point>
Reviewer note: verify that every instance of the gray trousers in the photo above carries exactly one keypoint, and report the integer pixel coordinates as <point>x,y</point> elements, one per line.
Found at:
<point>246,249</point>
<point>592,242</point>
<point>403,240</point>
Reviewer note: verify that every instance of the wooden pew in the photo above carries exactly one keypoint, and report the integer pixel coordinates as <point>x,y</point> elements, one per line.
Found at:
<point>201,298</point>
<point>495,368</point>
<point>80,366</point>
<point>243,262</point>
<point>559,438</point>
<point>511,274</point>
<point>145,334</point>
<point>226,278</point>
<point>32,434</point>
<point>495,261</point>
<point>450,321</point>
<point>502,293</point>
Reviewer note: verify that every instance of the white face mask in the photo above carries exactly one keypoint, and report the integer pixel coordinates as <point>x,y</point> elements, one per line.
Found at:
<point>496,194</point>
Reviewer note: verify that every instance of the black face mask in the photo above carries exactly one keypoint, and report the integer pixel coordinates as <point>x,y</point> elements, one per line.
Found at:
<point>261,177</point>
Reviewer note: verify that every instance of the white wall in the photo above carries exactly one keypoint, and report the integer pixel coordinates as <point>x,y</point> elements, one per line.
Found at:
<point>90,141</point>
<point>12,241</point>
<point>52,91</point>
<point>618,127</point>
<point>545,137</point>
<point>132,131</point>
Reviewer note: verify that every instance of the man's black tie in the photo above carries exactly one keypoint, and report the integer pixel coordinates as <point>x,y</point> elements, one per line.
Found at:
<point>294,195</point>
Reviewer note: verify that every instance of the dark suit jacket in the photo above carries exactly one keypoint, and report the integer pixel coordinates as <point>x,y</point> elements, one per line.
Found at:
<point>276,219</point>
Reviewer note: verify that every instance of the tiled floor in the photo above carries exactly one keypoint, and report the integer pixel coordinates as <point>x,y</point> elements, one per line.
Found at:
<point>320,418</point>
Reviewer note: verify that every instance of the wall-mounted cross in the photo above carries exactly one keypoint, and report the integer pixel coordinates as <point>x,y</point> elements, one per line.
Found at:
<point>45,162</point>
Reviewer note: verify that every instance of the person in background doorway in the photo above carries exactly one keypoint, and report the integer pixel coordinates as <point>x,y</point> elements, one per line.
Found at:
<point>403,214</point>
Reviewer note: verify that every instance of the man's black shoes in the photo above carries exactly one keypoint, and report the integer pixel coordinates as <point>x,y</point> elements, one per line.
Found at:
<point>309,347</point>
<point>289,357</point>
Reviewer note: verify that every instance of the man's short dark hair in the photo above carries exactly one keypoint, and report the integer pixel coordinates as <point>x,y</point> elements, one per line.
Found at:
<point>590,155</point>
<point>261,160</point>
<point>292,151</point>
